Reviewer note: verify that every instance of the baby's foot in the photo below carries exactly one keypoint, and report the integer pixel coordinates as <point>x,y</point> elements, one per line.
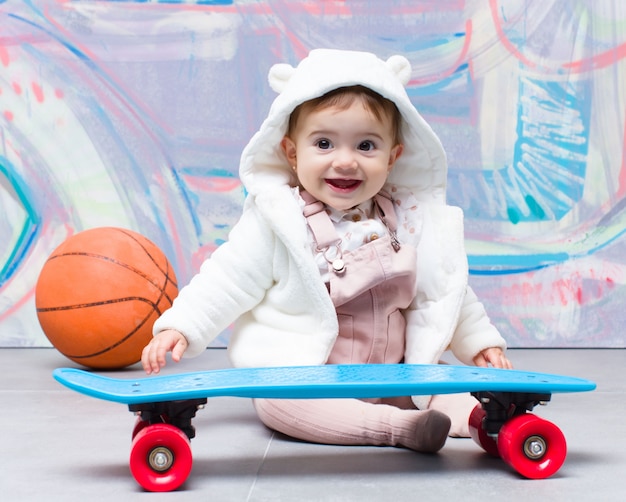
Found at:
<point>431,431</point>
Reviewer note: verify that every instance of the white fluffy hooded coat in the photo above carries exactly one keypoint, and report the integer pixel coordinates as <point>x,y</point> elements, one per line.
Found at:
<point>265,280</point>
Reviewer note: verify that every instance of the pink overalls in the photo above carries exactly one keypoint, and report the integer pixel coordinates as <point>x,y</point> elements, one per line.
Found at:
<point>372,284</point>
<point>368,286</point>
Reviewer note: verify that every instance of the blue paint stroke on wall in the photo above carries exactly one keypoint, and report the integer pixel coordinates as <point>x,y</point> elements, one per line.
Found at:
<point>31,225</point>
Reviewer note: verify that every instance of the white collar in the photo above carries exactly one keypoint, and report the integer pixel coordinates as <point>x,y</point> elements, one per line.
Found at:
<point>364,211</point>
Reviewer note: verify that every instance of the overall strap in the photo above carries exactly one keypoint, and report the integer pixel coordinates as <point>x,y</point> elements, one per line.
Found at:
<point>387,213</point>
<point>319,222</point>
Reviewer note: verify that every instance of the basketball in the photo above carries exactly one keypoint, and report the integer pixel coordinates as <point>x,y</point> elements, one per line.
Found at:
<point>99,293</point>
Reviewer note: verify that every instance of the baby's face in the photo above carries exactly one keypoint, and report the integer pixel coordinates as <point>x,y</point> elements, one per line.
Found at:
<point>342,157</point>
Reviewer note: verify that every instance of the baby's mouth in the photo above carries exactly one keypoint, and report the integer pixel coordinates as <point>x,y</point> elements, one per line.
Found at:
<point>343,184</point>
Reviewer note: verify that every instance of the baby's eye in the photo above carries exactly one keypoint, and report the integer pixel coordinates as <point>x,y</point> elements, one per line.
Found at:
<point>324,144</point>
<point>366,146</point>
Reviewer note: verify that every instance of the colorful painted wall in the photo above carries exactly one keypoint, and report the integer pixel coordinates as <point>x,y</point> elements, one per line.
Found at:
<point>134,113</point>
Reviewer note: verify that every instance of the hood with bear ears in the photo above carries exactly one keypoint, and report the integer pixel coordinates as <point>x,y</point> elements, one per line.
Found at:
<point>422,167</point>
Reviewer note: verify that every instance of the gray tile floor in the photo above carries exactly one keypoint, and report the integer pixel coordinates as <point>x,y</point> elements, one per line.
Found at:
<point>59,445</point>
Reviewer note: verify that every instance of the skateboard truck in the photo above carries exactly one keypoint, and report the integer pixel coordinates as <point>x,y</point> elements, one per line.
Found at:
<point>500,407</point>
<point>177,413</point>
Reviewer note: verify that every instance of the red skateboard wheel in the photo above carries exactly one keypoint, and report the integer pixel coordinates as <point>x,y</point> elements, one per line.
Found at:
<point>160,458</point>
<point>478,434</point>
<point>532,446</point>
<point>139,426</point>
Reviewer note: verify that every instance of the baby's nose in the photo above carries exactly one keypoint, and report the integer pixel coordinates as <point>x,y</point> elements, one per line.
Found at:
<point>345,160</point>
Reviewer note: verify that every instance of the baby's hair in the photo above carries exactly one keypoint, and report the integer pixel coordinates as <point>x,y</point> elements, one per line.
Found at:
<point>343,97</point>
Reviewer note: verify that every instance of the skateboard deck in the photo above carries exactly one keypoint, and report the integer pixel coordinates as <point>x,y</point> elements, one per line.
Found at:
<point>313,382</point>
<point>161,458</point>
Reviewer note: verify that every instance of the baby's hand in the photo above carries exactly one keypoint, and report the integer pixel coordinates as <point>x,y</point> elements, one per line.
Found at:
<point>494,356</point>
<point>153,355</point>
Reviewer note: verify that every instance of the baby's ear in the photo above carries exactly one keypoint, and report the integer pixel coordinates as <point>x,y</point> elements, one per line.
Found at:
<point>279,75</point>
<point>400,66</point>
<point>289,148</point>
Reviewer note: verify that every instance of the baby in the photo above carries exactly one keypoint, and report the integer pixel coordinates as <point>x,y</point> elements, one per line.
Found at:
<point>346,252</point>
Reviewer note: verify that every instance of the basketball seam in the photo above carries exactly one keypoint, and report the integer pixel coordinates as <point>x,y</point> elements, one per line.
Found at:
<point>126,266</point>
<point>164,272</point>
<point>119,342</point>
<point>97,304</point>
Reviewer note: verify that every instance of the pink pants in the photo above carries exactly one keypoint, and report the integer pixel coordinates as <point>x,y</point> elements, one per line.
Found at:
<point>381,422</point>
<point>378,281</point>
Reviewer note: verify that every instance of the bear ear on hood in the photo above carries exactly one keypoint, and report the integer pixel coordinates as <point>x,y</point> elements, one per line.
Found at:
<point>279,75</point>
<point>400,67</point>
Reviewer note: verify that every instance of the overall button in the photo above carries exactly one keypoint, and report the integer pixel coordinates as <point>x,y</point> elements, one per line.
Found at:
<point>338,265</point>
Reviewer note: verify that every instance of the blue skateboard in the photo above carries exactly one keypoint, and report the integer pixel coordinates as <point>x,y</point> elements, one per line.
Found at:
<point>161,457</point>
